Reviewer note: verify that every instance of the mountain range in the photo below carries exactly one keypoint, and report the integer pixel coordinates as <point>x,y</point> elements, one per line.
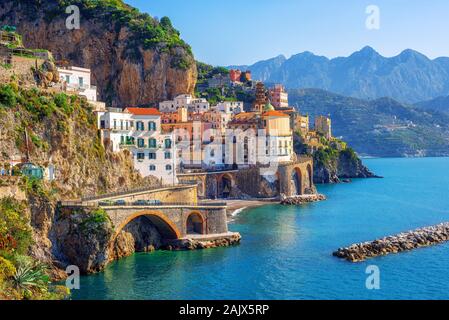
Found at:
<point>382,127</point>
<point>409,77</point>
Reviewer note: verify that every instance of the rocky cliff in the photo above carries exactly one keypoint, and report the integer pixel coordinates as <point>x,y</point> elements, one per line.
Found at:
<point>334,161</point>
<point>135,59</point>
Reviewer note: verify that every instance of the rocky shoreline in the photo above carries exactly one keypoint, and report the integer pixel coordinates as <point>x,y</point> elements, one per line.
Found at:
<point>405,241</point>
<point>231,239</point>
<point>302,199</point>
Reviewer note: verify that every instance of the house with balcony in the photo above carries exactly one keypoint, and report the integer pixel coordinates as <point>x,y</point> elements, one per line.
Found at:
<point>78,80</point>
<point>138,130</point>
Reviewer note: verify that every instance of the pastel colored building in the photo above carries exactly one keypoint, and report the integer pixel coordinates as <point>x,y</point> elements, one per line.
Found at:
<point>278,96</point>
<point>139,130</point>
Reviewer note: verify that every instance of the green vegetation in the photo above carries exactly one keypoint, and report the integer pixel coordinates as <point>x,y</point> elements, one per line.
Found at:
<point>20,276</point>
<point>94,220</point>
<point>226,93</point>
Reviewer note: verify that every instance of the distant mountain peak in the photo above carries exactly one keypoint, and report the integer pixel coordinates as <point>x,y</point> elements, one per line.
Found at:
<point>408,77</point>
<point>366,51</point>
<point>410,53</point>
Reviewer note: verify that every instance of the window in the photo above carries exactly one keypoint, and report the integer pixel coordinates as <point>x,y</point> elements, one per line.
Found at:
<point>140,156</point>
<point>140,143</point>
<point>122,139</point>
<point>151,126</point>
<point>67,79</point>
<point>168,143</point>
<point>152,156</point>
<point>168,167</point>
<point>139,126</point>
<point>115,124</point>
<point>168,155</point>
<point>81,81</point>
<point>152,143</point>
<point>121,124</point>
<point>152,167</point>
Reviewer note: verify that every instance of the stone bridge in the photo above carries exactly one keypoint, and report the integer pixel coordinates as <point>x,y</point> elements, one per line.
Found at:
<point>292,178</point>
<point>173,210</point>
<point>174,221</point>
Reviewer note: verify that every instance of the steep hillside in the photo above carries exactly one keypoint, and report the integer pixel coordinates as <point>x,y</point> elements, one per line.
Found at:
<point>408,77</point>
<point>382,127</point>
<point>61,131</point>
<point>134,58</point>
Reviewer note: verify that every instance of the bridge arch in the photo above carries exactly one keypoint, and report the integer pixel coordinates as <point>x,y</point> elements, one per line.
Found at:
<point>296,181</point>
<point>163,224</point>
<point>310,175</point>
<point>195,223</point>
<point>225,183</point>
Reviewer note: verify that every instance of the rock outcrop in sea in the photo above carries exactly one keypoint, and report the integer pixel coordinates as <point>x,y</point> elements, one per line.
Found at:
<point>406,241</point>
<point>301,199</point>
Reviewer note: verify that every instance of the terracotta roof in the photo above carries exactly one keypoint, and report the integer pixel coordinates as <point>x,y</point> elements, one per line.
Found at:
<point>144,111</point>
<point>274,113</point>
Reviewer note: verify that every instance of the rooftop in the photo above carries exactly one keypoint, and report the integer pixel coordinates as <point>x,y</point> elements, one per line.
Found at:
<point>144,111</point>
<point>274,113</point>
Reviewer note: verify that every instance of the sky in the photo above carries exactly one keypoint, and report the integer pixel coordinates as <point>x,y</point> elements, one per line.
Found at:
<point>236,32</point>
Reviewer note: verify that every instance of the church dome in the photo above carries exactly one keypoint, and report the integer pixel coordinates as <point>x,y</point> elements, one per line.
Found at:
<point>268,107</point>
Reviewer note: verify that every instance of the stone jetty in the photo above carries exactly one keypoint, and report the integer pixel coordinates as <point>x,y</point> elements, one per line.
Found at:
<point>406,241</point>
<point>301,199</point>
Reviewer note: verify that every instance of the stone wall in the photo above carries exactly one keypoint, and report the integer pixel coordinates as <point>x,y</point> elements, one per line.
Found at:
<point>185,194</point>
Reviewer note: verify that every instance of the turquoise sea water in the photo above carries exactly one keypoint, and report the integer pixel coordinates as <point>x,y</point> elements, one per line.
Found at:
<point>286,252</point>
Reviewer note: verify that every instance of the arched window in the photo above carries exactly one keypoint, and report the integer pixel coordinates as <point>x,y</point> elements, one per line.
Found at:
<point>168,167</point>
<point>152,167</point>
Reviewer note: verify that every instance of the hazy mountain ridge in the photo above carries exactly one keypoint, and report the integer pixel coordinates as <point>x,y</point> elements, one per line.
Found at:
<point>409,77</point>
<point>438,104</point>
<point>382,127</point>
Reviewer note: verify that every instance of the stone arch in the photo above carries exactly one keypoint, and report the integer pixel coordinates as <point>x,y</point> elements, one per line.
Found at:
<point>225,183</point>
<point>195,223</point>
<point>163,224</point>
<point>296,181</point>
<point>310,175</point>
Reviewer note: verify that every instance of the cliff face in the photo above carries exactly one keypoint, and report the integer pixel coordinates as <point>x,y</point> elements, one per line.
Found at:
<point>342,167</point>
<point>126,71</point>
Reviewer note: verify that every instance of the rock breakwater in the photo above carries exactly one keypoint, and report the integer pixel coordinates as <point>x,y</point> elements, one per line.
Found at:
<point>405,241</point>
<point>301,199</point>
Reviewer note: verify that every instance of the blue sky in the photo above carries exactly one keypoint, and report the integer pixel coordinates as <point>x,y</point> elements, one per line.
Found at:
<point>225,32</point>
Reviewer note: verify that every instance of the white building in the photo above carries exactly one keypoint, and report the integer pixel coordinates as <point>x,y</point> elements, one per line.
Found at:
<point>185,101</point>
<point>231,107</point>
<point>79,80</point>
<point>139,131</point>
